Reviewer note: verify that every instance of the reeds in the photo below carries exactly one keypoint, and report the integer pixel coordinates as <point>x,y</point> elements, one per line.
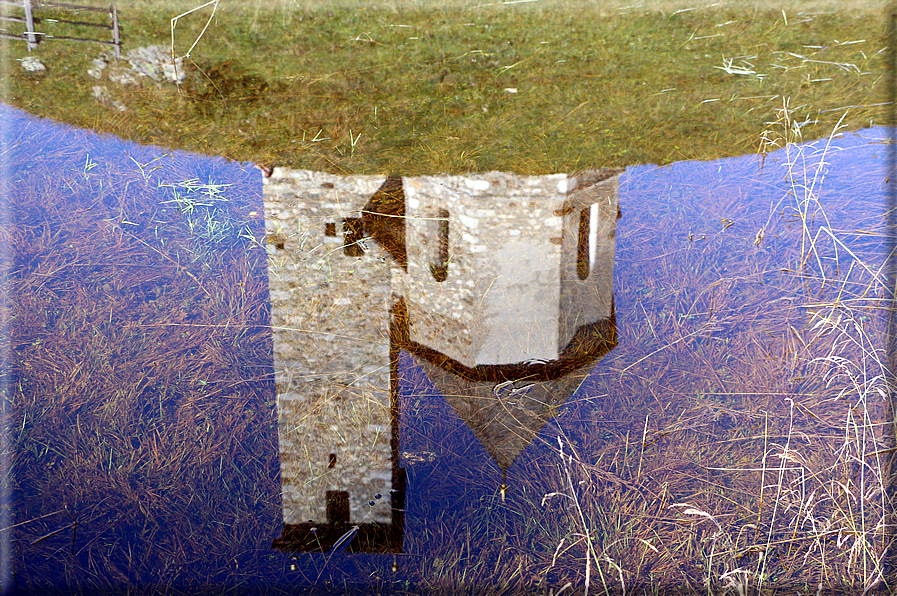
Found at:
<point>140,397</point>
<point>765,468</point>
<point>734,440</point>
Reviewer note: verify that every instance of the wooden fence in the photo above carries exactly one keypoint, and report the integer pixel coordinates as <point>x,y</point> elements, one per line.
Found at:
<point>32,36</point>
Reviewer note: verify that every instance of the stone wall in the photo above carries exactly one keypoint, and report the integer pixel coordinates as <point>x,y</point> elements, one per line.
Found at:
<point>329,316</point>
<point>493,269</point>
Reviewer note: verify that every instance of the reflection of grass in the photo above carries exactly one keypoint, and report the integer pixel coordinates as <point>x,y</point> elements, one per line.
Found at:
<point>749,449</point>
<point>206,215</point>
<point>744,451</point>
<point>803,499</point>
<point>349,88</point>
<point>138,426</point>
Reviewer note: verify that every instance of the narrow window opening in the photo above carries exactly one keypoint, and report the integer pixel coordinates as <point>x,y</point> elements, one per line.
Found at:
<point>353,232</point>
<point>594,221</point>
<point>277,240</point>
<point>583,264</point>
<point>337,507</point>
<point>439,269</point>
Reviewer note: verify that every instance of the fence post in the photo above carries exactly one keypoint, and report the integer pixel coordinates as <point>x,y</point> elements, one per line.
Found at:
<point>116,39</point>
<point>29,24</point>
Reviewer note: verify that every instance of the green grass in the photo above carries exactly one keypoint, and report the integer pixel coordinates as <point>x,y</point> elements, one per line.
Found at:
<point>408,90</point>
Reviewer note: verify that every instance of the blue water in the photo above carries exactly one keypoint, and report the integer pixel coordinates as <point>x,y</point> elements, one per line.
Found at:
<point>687,233</point>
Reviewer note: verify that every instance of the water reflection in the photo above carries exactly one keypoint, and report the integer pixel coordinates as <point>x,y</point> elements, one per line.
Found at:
<point>731,426</point>
<point>139,415</point>
<point>501,287</point>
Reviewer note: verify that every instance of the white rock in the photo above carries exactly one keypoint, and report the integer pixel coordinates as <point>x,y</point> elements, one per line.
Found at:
<point>122,76</point>
<point>101,93</point>
<point>476,184</point>
<point>97,71</point>
<point>32,64</point>
<point>470,222</point>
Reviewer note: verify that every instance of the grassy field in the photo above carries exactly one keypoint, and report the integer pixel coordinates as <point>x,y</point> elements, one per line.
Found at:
<point>412,87</point>
<point>732,441</point>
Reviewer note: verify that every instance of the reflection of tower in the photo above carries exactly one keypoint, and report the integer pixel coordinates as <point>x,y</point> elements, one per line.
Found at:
<point>501,287</point>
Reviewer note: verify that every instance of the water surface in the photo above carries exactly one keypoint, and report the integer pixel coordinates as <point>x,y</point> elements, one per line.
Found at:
<point>735,431</point>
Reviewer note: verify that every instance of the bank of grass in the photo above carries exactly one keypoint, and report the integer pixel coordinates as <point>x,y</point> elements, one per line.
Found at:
<point>759,465</point>
<point>533,88</point>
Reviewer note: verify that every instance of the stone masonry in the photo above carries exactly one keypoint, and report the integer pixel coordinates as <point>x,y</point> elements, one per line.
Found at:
<point>494,270</point>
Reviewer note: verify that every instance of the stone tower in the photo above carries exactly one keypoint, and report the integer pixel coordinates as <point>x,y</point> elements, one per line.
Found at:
<point>501,286</point>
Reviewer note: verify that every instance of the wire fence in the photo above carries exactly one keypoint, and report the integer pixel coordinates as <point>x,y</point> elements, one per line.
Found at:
<point>23,12</point>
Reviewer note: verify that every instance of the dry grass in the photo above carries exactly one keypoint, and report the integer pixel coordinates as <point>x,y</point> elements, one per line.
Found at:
<point>140,421</point>
<point>737,439</point>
